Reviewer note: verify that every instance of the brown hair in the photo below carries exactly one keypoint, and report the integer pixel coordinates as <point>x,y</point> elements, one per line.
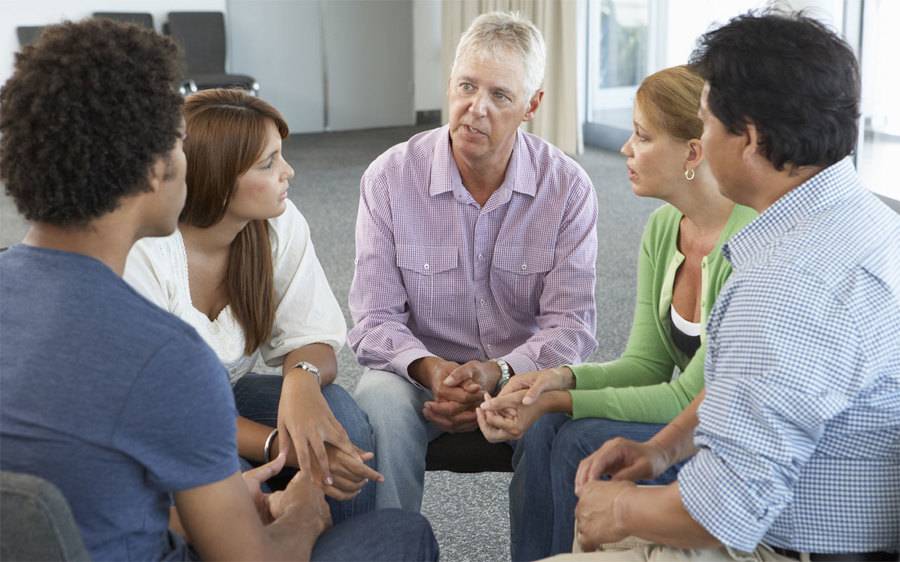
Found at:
<point>225,136</point>
<point>670,99</point>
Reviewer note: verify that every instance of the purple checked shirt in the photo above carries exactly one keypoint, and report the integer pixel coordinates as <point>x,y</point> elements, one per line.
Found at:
<point>439,274</point>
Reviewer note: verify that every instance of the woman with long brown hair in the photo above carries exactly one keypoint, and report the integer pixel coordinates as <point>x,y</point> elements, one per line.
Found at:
<point>241,270</point>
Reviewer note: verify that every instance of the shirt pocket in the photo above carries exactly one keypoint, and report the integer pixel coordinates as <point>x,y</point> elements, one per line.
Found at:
<point>517,277</point>
<point>432,278</point>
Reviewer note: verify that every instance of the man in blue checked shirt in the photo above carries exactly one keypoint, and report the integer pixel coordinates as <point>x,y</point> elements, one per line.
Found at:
<point>796,446</point>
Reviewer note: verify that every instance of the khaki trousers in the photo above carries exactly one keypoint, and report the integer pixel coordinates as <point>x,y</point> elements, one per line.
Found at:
<point>634,549</point>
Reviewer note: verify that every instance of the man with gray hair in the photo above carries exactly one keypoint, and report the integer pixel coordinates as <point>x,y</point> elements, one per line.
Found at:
<point>475,257</point>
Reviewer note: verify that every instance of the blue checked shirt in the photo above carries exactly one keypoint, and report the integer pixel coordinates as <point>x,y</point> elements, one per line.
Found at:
<point>799,435</point>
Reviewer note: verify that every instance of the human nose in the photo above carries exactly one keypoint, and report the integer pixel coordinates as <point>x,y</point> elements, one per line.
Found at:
<point>626,148</point>
<point>479,105</point>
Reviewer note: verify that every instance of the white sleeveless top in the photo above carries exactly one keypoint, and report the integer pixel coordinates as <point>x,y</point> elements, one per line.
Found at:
<point>306,311</point>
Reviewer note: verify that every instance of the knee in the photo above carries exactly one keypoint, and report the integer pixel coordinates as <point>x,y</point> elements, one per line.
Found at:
<point>387,399</point>
<point>348,413</point>
<point>421,540</point>
<point>541,435</point>
<point>570,445</point>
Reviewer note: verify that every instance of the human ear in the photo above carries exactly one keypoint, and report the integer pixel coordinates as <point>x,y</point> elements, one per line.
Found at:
<point>695,153</point>
<point>533,105</point>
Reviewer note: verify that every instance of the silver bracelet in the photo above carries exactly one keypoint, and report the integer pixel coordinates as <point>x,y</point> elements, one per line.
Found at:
<point>267,448</point>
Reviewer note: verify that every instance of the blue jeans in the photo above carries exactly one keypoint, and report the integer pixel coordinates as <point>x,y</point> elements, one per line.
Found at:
<point>256,398</point>
<point>389,535</point>
<point>394,406</point>
<point>542,492</point>
<point>386,534</point>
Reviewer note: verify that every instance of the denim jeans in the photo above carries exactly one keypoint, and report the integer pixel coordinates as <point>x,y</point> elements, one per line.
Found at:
<point>386,534</point>
<point>256,398</point>
<point>542,492</point>
<point>389,535</point>
<point>394,407</point>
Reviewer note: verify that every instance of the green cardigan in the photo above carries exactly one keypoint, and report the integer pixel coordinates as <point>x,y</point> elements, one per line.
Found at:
<point>637,387</point>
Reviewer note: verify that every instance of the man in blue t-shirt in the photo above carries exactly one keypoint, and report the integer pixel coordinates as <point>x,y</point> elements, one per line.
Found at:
<point>115,401</point>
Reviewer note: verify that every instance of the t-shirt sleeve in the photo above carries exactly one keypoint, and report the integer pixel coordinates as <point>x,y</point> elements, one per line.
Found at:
<point>306,310</point>
<point>144,274</point>
<point>179,418</point>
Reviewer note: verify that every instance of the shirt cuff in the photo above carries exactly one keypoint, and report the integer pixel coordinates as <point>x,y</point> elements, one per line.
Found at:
<point>520,363</point>
<point>402,361</point>
<point>587,376</point>
<point>708,489</point>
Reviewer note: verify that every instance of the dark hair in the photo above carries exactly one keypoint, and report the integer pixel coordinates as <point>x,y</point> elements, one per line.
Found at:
<point>226,134</point>
<point>790,76</point>
<point>90,106</point>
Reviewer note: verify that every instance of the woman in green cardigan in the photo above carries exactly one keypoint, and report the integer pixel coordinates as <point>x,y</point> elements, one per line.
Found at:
<point>572,410</point>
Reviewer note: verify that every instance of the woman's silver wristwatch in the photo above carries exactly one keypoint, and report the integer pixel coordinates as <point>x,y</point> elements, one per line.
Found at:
<point>311,369</point>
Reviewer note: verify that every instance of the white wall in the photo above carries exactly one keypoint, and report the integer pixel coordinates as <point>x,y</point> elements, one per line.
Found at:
<point>430,86</point>
<point>14,13</point>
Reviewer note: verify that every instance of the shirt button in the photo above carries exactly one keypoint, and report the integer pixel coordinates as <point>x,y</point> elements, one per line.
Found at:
<point>481,256</point>
<point>427,267</point>
<point>482,302</point>
<point>489,346</point>
<point>524,266</point>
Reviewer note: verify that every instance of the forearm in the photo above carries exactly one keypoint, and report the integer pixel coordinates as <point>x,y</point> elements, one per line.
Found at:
<point>422,370</point>
<point>556,401</point>
<point>677,438</point>
<point>319,354</point>
<point>656,514</point>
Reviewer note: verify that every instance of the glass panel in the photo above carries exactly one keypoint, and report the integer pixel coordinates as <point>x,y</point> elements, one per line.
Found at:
<point>623,43</point>
<point>880,150</point>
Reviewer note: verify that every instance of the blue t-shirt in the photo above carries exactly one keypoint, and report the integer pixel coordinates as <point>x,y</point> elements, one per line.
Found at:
<point>109,397</point>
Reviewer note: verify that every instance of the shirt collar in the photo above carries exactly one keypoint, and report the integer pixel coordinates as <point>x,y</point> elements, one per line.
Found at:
<point>445,174</point>
<point>807,200</point>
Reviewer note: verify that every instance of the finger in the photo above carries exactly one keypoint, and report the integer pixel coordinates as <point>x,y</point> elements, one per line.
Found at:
<point>466,421</point>
<point>637,471</point>
<point>354,469</point>
<point>318,450</point>
<point>338,494</point>
<point>440,421</point>
<point>581,474</point>
<point>338,438</point>
<point>456,394</point>
<point>458,375</point>
<point>348,485</point>
<point>268,470</point>
<point>536,390</point>
<point>447,409</point>
<point>471,387</point>
<point>513,400</point>
<point>502,422</point>
<point>303,459</point>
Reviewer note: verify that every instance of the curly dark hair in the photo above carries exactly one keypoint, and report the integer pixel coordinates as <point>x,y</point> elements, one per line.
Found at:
<point>90,106</point>
<point>796,80</point>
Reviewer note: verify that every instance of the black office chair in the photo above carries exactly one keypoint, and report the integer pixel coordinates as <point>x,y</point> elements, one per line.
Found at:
<point>143,19</point>
<point>28,34</point>
<point>202,37</point>
<point>467,453</point>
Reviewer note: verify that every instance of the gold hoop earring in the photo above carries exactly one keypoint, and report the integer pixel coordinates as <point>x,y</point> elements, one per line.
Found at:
<point>689,174</point>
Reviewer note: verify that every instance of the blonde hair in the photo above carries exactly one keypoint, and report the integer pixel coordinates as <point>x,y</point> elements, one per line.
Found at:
<point>670,99</point>
<point>499,33</point>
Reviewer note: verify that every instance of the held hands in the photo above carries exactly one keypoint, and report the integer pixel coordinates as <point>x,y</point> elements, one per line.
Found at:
<point>509,415</point>
<point>622,459</point>
<point>305,496</point>
<point>598,513</point>
<point>457,391</point>
<point>505,418</point>
<point>321,445</point>
<point>254,479</point>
